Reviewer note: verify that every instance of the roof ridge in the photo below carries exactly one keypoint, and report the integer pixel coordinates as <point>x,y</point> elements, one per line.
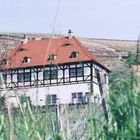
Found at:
<point>85,51</point>
<point>88,53</point>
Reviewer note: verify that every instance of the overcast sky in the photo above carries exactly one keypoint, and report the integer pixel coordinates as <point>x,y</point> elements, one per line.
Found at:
<point>118,19</point>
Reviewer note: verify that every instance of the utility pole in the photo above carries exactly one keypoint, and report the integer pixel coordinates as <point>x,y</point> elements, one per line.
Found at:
<point>138,51</point>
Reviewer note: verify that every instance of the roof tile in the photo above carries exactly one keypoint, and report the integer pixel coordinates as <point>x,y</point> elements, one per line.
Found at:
<point>40,50</point>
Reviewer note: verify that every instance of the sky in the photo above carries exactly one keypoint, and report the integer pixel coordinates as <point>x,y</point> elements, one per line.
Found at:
<point>116,19</point>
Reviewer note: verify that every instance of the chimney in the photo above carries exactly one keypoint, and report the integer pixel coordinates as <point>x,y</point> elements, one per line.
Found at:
<point>70,34</point>
<point>25,39</point>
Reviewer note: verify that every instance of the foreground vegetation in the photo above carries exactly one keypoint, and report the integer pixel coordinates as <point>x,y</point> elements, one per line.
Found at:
<point>83,122</point>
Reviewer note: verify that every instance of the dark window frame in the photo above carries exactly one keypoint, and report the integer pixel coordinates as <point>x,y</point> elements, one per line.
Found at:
<point>80,71</point>
<point>78,96</point>
<point>105,78</point>
<point>72,72</point>
<point>4,77</point>
<point>24,77</point>
<point>46,74</point>
<point>76,72</point>
<point>52,99</point>
<point>96,72</point>
<point>52,74</point>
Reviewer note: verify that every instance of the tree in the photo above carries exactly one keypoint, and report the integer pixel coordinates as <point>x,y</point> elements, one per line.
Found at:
<point>131,59</point>
<point>121,71</point>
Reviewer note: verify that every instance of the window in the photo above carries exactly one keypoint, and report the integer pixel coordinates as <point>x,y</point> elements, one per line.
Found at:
<point>67,44</point>
<point>21,49</point>
<point>50,74</point>
<point>51,99</point>
<point>76,72</point>
<point>24,77</point>
<point>80,97</point>
<point>20,77</point>
<point>74,54</point>
<point>96,72</point>
<point>87,96</point>
<point>72,72</point>
<point>105,78</point>
<point>77,97</point>
<point>27,77</point>
<point>4,62</point>
<point>4,77</point>
<point>52,57</point>
<point>46,75</point>
<point>80,71</point>
<point>26,60</point>
<point>53,74</point>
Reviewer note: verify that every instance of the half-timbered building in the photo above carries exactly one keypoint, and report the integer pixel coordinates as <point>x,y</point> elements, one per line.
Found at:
<point>58,67</point>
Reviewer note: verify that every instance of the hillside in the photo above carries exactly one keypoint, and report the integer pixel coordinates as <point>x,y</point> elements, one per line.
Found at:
<point>108,51</point>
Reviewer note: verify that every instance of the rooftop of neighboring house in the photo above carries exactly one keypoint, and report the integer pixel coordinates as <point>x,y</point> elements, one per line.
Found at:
<point>136,68</point>
<point>47,51</point>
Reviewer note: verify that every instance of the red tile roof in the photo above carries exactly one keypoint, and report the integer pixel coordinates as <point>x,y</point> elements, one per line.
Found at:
<point>40,50</point>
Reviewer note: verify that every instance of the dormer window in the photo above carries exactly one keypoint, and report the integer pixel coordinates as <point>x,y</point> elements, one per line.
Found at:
<point>5,62</point>
<point>20,49</point>
<point>74,54</point>
<point>67,44</point>
<point>52,57</point>
<point>26,60</point>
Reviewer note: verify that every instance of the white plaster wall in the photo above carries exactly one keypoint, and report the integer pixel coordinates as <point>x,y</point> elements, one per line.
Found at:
<point>64,93</point>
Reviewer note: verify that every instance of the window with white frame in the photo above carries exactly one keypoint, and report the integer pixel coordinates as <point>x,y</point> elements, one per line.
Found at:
<point>52,56</point>
<point>26,60</point>
<point>4,61</point>
<point>74,54</point>
<point>77,97</point>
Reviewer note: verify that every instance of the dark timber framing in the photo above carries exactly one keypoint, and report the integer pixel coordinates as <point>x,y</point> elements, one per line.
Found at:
<point>37,81</point>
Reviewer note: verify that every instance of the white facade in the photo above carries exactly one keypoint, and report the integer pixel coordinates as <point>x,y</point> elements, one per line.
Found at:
<point>75,90</point>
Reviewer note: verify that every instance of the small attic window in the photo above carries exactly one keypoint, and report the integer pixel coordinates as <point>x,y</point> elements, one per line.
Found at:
<point>5,62</point>
<point>74,54</point>
<point>26,60</point>
<point>52,57</point>
<point>20,49</point>
<point>67,44</point>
